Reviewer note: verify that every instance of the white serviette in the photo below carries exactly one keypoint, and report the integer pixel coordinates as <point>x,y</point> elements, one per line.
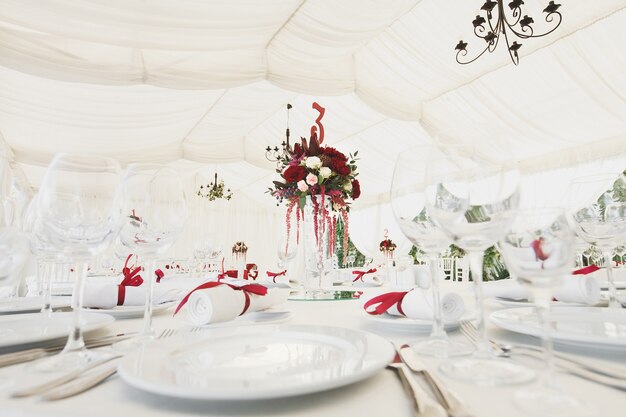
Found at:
<point>368,280</point>
<point>104,295</point>
<point>418,304</point>
<point>223,303</point>
<point>583,289</point>
<point>283,281</point>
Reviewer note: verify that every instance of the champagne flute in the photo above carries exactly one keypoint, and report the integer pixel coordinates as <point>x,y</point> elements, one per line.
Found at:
<point>155,209</point>
<point>599,217</point>
<point>79,217</point>
<point>540,249</point>
<point>408,202</point>
<point>471,204</point>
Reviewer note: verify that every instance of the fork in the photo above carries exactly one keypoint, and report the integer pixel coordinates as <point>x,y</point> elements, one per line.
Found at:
<point>63,387</point>
<point>586,372</point>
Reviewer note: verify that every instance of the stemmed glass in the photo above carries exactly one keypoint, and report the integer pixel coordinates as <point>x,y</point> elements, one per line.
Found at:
<point>287,250</point>
<point>155,214</point>
<point>78,216</point>
<point>471,204</point>
<point>540,249</point>
<point>14,250</point>
<point>599,217</point>
<point>408,201</point>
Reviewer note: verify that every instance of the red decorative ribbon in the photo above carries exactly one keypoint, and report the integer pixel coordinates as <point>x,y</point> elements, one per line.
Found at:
<point>273,275</point>
<point>359,274</point>
<point>247,290</point>
<point>384,302</point>
<point>159,274</point>
<point>586,270</point>
<point>131,279</point>
<point>251,271</point>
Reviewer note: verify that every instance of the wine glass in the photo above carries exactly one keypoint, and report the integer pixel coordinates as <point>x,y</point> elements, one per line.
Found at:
<point>540,249</point>
<point>598,216</point>
<point>155,213</point>
<point>408,202</point>
<point>79,216</point>
<point>471,203</point>
<point>14,250</point>
<point>287,249</point>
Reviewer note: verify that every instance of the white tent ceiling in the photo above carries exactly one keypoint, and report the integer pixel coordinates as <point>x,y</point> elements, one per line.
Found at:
<point>199,83</point>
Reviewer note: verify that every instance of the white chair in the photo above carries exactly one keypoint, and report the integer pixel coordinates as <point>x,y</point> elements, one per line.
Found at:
<point>446,265</point>
<point>461,269</point>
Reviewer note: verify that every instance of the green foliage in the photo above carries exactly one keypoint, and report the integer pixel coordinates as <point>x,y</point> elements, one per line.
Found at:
<point>359,257</point>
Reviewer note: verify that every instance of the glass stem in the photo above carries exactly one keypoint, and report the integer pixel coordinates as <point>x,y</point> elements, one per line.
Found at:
<point>608,262</point>
<point>476,268</point>
<point>543,301</point>
<point>438,331</point>
<point>47,270</point>
<point>75,341</point>
<point>149,278</point>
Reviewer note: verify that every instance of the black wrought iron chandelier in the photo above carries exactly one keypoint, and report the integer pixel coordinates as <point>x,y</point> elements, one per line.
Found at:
<point>498,24</point>
<point>276,154</point>
<point>215,190</point>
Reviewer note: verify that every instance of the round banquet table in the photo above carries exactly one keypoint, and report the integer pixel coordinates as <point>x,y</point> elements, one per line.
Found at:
<point>380,395</point>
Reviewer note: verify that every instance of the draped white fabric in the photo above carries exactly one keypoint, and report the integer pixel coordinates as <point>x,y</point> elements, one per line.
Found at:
<point>205,83</point>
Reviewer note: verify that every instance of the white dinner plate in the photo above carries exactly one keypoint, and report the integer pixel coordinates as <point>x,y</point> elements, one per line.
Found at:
<point>405,324</point>
<point>260,362</point>
<point>21,329</point>
<point>31,304</point>
<point>129,312</point>
<point>509,302</point>
<point>584,327</point>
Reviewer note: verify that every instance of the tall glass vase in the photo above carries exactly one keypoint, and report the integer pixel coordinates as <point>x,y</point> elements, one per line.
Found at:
<point>317,254</point>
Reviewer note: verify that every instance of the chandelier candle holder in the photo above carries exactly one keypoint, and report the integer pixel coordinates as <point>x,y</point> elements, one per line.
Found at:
<point>276,154</point>
<point>387,247</point>
<point>317,184</point>
<point>215,190</point>
<point>507,24</point>
<point>239,252</point>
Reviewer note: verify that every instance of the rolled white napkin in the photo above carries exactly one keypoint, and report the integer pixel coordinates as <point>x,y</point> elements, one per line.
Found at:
<point>223,303</point>
<point>282,281</point>
<point>583,289</point>
<point>418,304</point>
<point>106,296</point>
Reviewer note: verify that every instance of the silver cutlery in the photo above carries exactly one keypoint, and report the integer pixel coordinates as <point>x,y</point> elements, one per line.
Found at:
<point>82,385</point>
<point>413,390</point>
<point>47,386</point>
<point>450,402</point>
<point>587,372</point>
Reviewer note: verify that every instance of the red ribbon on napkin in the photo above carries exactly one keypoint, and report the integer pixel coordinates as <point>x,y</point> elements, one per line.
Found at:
<point>247,290</point>
<point>273,275</point>
<point>159,274</point>
<point>586,270</point>
<point>538,249</point>
<point>384,302</point>
<point>131,279</point>
<point>359,274</point>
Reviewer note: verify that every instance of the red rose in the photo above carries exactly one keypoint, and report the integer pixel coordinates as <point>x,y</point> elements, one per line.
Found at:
<point>356,189</point>
<point>340,167</point>
<point>295,173</point>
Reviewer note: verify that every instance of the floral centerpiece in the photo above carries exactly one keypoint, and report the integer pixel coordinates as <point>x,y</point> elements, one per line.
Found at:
<point>321,173</point>
<point>240,247</point>
<point>387,245</point>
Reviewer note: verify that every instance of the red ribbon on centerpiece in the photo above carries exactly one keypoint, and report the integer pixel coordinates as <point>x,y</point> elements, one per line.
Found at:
<point>586,270</point>
<point>247,290</point>
<point>384,302</point>
<point>359,274</point>
<point>273,275</point>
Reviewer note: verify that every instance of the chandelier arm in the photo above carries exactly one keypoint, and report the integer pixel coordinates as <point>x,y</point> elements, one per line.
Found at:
<point>513,54</point>
<point>517,12</point>
<point>550,19</point>
<point>464,52</point>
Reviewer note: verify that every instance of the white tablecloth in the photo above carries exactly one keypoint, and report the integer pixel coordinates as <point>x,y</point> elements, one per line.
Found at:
<point>381,395</point>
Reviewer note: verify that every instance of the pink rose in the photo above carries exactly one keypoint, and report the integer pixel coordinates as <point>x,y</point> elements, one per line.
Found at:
<point>302,186</point>
<point>311,179</point>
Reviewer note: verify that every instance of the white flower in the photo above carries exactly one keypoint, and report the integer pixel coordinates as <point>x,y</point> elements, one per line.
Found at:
<point>347,186</point>
<point>302,186</point>
<point>313,162</point>
<point>325,172</point>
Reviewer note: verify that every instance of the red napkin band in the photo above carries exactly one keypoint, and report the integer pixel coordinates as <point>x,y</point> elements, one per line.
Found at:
<point>384,302</point>
<point>159,274</point>
<point>537,248</point>
<point>586,270</point>
<point>131,276</point>
<point>247,290</point>
<point>121,294</point>
<point>273,275</point>
<point>359,274</point>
